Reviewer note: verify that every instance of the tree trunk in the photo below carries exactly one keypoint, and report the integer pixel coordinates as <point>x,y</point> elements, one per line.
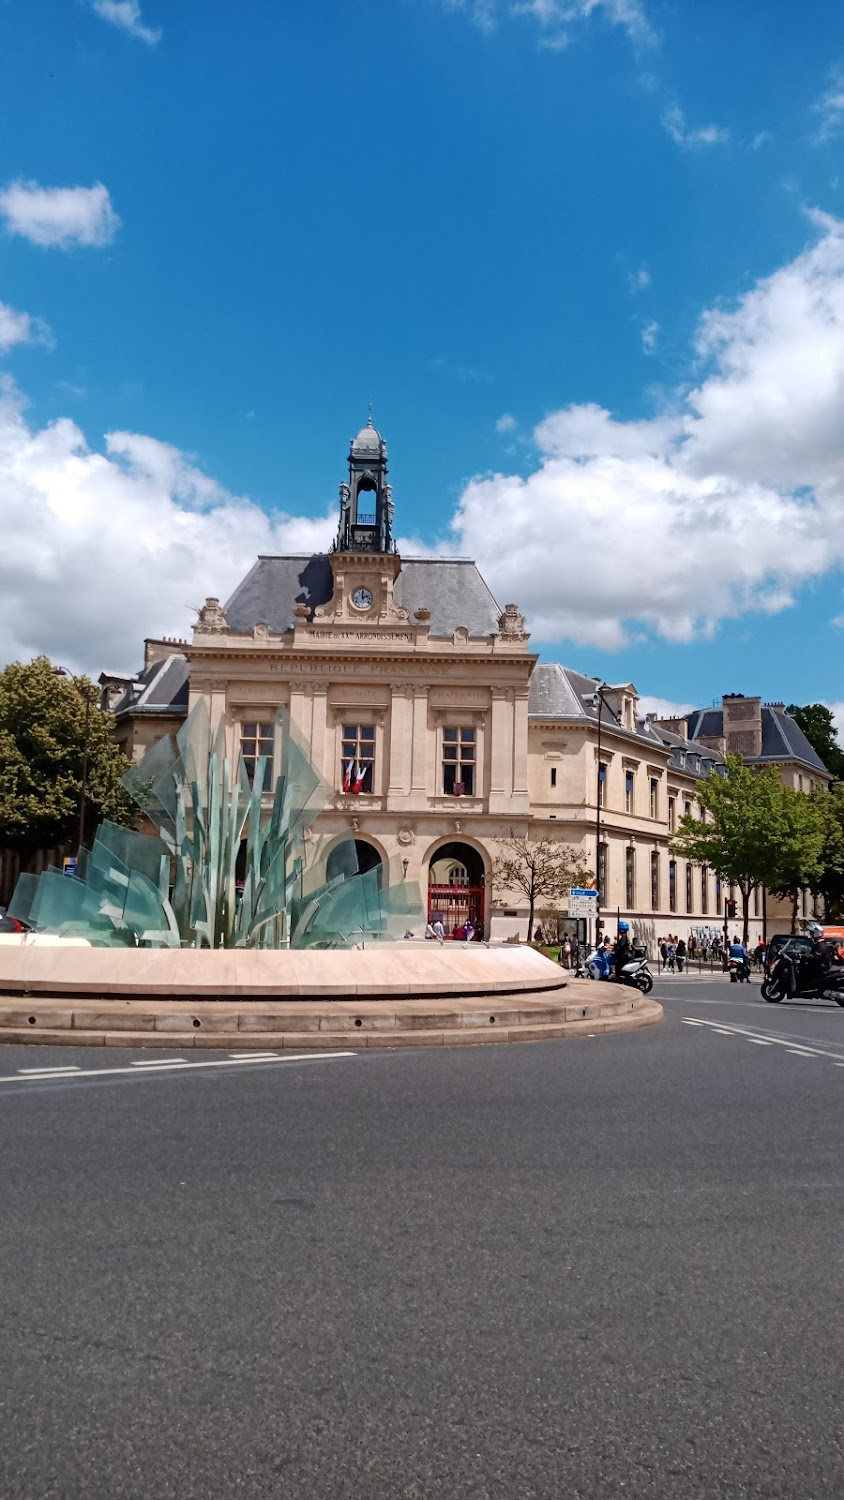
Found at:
<point>795,896</point>
<point>530,917</point>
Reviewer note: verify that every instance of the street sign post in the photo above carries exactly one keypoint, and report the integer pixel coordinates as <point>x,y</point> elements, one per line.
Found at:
<point>582,902</point>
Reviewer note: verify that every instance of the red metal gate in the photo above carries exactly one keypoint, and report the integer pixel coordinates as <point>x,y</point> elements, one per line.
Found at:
<point>456,904</point>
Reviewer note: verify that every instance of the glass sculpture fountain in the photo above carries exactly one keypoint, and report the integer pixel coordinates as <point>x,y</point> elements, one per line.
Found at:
<point>235,862</point>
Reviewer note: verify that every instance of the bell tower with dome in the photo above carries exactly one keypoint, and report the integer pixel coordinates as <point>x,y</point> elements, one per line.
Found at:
<point>366,501</point>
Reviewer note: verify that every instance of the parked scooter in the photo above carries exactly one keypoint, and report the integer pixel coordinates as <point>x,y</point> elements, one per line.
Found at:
<point>635,973</point>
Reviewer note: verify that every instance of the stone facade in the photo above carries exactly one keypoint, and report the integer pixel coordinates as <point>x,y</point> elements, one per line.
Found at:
<point>421,703</point>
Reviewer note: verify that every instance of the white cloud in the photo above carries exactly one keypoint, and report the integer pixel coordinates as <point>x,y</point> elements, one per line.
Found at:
<point>506,423</point>
<point>59,216</point>
<point>663,708</point>
<point>101,549</point>
<point>20,328</point>
<point>724,505</point>
<point>650,333</point>
<point>837,711</point>
<point>638,280</point>
<point>830,108</point>
<point>674,122</point>
<point>127,15</point>
<point>556,18</point>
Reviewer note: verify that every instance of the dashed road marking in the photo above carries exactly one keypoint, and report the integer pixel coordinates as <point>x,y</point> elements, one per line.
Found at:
<point>71,1068</point>
<point>151,1067</point>
<point>788,1042</point>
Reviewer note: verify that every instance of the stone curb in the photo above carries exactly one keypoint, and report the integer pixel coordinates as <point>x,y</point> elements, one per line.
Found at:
<point>466,1032</point>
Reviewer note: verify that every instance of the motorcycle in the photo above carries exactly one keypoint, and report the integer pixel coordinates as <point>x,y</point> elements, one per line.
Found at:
<point>800,979</point>
<point>739,971</point>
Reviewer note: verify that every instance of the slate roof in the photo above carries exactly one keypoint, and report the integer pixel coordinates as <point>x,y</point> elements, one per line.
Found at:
<point>451,588</point>
<point>162,688</point>
<point>556,692</point>
<point>782,737</point>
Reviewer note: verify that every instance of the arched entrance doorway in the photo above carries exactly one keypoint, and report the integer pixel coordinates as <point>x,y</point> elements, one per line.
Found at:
<point>368,858</point>
<point>456,888</point>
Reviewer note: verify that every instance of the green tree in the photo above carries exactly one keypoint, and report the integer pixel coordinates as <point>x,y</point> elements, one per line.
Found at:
<point>829,884</point>
<point>740,838</point>
<point>804,844</point>
<point>543,869</point>
<point>818,725</point>
<point>51,729</point>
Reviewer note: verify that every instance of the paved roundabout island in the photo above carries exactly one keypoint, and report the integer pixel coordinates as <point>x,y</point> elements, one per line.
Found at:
<point>381,996</point>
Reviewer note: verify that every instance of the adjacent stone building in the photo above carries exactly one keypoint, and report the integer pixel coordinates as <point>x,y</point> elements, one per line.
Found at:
<point>421,703</point>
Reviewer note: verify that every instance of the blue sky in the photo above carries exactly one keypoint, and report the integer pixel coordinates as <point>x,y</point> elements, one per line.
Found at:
<point>496,221</point>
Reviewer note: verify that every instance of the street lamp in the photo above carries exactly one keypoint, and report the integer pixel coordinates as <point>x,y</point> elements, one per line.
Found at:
<point>63,672</point>
<point>598,701</point>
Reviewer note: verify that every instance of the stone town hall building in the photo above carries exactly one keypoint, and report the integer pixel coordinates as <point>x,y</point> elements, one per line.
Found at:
<point>422,704</point>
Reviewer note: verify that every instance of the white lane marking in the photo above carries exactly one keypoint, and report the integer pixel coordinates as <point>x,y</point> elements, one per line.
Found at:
<point>772,1041</point>
<point>160,1062</point>
<point>687,1021</point>
<point>178,1067</point>
<point>258,1057</point>
<point>71,1068</point>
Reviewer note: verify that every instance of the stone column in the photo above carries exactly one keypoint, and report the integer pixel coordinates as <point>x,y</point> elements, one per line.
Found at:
<point>318,726</point>
<point>298,711</point>
<point>420,740</point>
<point>520,745</point>
<point>500,734</point>
<point>401,731</point>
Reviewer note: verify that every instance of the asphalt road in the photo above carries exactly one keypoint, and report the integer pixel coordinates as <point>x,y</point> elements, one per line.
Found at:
<point>602,1268</point>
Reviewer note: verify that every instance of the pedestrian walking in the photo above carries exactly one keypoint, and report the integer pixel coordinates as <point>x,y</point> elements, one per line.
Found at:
<point>671,955</point>
<point>439,930</point>
<point>681,955</point>
<point>663,953</point>
<point>565,953</point>
<point>468,932</point>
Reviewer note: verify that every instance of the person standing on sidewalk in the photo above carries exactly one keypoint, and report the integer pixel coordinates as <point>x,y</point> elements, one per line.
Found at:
<point>681,955</point>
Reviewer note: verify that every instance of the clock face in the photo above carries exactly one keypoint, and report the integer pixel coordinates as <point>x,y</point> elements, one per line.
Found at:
<point>362,598</point>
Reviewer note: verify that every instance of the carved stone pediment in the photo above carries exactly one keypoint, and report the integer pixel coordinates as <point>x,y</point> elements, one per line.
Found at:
<point>211,619</point>
<point>511,624</point>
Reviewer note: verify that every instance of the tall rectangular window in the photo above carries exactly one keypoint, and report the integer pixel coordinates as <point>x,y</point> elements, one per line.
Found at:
<point>602,873</point>
<point>672,885</point>
<point>687,809</point>
<point>688,886</point>
<point>672,815</point>
<point>602,784</point>
<point>654,881</point>
<point>553,775</point>
<point>357,764</point>
<point>628,791</point>
<point>256,739</point>
<point>630,877</point>
<point>459,762</point>
<point>654,796</point>
<point>718,895</point>
<point>704,889</point>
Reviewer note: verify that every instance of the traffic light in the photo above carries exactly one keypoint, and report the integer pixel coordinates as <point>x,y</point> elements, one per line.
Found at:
<point>731,909</point>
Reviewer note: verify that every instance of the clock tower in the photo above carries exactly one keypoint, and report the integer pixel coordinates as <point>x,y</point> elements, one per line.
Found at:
<point>364,561</point>
<point>366,501</point>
